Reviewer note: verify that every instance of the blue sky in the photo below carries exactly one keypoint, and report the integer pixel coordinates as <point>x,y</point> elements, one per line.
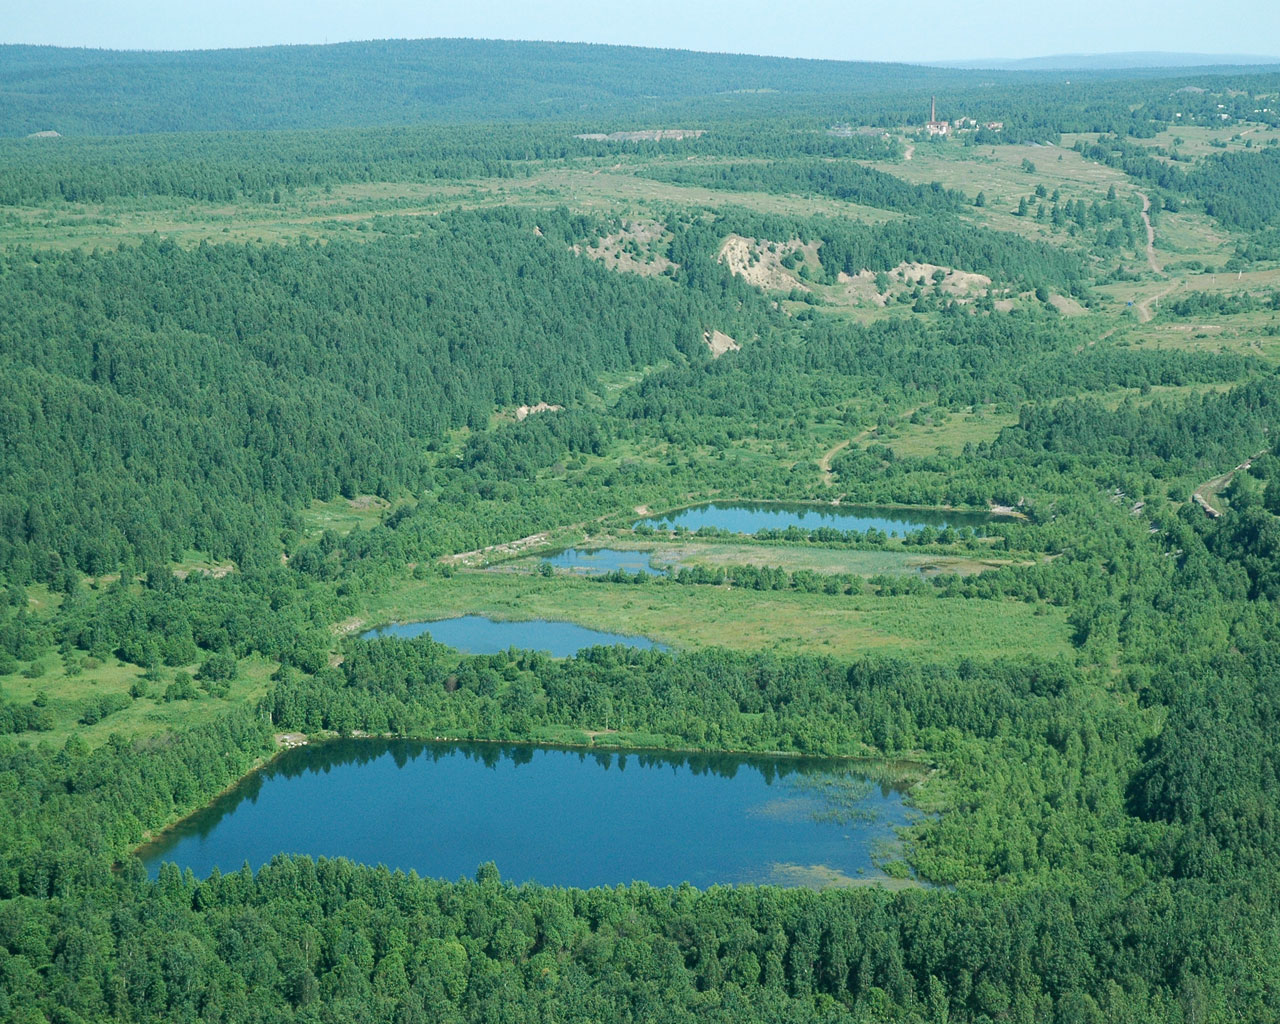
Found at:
<point>849,30</point>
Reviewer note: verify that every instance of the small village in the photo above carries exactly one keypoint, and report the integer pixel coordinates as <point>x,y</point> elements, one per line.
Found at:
<point>935,128</point>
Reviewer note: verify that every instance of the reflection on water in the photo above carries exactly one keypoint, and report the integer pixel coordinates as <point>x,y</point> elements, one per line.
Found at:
<point>599,561</point>
<point>475,634</point>
<point>742,517</point>
<point>557,816</point>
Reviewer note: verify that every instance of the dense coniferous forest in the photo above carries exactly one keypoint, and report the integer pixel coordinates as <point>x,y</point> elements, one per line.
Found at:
<point>450,81</point>
<point>298,341</point>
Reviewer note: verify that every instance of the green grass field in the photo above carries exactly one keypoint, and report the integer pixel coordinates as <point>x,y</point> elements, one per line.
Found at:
<point>343,515</point>
<point>66,697</point>
<point>828,561</point>
<point>688,617</point>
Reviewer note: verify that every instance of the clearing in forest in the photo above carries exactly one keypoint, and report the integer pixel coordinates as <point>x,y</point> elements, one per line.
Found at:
<point>719,343</point>
<point>761,262</point>
<point>638,248</point>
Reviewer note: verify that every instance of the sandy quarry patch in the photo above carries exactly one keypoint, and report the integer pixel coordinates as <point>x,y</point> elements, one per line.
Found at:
<point>523,412</point>
<point>514,547</point>
<point>720,343</point>
<point>639,248</point>
<point>859,289</point>
<point>956,282</point>
<point>760,262</point>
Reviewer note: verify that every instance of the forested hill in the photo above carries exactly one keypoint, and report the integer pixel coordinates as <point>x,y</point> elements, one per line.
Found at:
<point>102,92</point>
<point>437,81</point>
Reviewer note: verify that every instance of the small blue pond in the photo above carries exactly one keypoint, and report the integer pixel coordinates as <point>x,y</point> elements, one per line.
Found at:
<point>599,561</point>
<point>741,517</point>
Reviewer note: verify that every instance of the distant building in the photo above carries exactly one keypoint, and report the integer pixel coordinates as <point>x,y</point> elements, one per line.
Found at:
<point>933,126</point>
<point>994,126</point>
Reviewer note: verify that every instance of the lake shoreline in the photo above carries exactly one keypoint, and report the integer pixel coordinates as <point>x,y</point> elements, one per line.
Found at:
<point>752,517</point>
<point>993,511</point>
<point>913,772</point>
<point>566,638</point>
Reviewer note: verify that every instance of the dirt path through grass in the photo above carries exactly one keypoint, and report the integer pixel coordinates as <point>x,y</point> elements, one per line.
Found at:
<point>1151,235</point>
<point>824,463</point>
<point>1144,307</point>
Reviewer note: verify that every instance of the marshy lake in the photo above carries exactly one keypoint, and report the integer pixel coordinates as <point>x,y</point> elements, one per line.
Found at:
<point>477,634</point>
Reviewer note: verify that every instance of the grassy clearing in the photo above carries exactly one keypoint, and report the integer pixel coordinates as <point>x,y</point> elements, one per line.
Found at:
<point>997,172</point>
<point>939,429</point>
<point>1199,141</point>
<point>1145,396</point>
<point>200,562</point>
<point>619,189</point>
<point>1190,235</point>
<point>67,696</point>
<point>349,210</point>
<point>343,515</point>
<point>1256,333</point>
<point>688,617</point>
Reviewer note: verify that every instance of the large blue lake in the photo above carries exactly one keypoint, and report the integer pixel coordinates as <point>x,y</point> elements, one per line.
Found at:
<point>475,634</point>
<point>742,517</point>
<point>555,816</point>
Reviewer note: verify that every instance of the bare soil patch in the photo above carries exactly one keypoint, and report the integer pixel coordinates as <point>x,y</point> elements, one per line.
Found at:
<point>523,412</point>
<point>720,343</point>
<point>1067,306</point>
<point>760,262</point>
<point>639,248</point>
<point>958,283</point>
<point>514,547</point>
<point>859,289</point>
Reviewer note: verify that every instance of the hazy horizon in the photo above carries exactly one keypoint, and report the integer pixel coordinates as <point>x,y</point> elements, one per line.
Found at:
<point>1111,59</point>
<point>933,33</point>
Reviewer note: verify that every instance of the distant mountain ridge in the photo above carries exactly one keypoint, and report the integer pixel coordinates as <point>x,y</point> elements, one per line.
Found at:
<point>1110,61</point>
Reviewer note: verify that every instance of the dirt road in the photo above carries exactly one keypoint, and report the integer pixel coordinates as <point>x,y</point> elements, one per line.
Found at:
<point>1144,307</point>
<point>1151,235</point>
<point>1210,488</point>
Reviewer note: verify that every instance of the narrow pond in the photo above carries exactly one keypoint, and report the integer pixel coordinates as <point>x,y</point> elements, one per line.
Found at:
<point>598,561</point>
<point>752,518</point>
<point>475,634</point>
<point>555,816</point>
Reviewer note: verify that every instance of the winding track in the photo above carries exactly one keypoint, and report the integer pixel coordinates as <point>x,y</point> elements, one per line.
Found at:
<point>1144,307</point>
<point>1151,235</point>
